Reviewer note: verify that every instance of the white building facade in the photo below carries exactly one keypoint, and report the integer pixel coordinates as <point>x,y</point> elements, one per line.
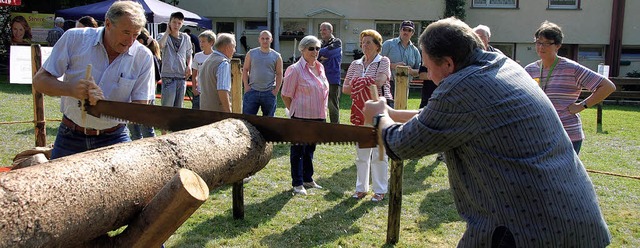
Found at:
<point>587,24</point>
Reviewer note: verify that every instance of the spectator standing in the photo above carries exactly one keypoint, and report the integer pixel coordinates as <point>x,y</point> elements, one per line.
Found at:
<point>206,40</point>
<point>402,52</point>
<point>262,77</point>
<point>304,93</point>
<point>87,22</point>
<point>514,176</point>
<point>372,68</point>
<point>484,33</point>
<point>176,61</point>
<point>331,58</point>
<point>139,131</point>
<point>54,34</point>
<point>243,42</point>
<point>215,75</point>
<point>122,66</point>
<point>195,42</point>
<point>563,79</point>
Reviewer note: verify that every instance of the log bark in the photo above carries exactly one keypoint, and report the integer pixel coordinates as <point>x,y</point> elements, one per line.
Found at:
<point>74,199</point>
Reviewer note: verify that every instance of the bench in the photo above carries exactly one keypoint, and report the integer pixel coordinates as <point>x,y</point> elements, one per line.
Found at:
<point>627,89</point>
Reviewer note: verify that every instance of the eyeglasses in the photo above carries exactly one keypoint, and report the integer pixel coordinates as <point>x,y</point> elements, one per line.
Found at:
<point>407,30</point>
<point>311,49</point>
<point>544,44</point>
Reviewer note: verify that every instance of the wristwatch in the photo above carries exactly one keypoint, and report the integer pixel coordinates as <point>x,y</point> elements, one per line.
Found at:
<point>584,104</point>
<point>376,119</point>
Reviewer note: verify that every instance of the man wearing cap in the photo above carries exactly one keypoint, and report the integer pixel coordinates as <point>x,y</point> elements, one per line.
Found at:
<point>402,52</point>
<point>54,34</point>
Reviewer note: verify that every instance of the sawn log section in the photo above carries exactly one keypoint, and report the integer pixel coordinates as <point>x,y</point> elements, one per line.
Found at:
<point>74,199</point>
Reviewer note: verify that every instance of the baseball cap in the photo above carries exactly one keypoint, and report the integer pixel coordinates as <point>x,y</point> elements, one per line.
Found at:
<point>407,24</point>
<point>59,20</point>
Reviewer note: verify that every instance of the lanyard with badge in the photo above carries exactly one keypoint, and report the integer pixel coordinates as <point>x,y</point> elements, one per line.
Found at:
<point>543,85</point>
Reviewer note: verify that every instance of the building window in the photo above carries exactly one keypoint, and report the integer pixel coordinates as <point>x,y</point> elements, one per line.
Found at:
<point>564,4</point>
<point>506,48</point>
<point>224,27</point>
<point>293,29</point>
<point>510,4</point>
<point>256,26</point>
<point>591,53</point>
<point>630,53</point>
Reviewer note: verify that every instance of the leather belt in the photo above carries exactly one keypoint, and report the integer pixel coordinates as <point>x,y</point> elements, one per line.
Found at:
<point>88,131</point>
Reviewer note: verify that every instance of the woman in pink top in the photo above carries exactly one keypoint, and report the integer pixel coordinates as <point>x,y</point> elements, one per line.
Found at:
<point>304,91</point>
<point>372,68</point>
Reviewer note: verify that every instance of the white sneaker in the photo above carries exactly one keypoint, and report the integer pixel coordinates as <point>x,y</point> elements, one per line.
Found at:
<point>312,184</point>
<point>299,190</point>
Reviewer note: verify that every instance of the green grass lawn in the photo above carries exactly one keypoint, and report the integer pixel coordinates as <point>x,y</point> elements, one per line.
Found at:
<point>330,218</point>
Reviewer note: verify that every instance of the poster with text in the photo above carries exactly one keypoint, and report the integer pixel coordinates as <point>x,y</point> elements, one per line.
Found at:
<point>27,28</point>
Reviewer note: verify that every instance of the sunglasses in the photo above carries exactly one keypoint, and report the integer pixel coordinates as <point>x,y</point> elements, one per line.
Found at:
<point>311,49</point>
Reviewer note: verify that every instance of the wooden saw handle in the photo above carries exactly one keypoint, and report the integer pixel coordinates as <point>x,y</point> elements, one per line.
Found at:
<point>373,92</point>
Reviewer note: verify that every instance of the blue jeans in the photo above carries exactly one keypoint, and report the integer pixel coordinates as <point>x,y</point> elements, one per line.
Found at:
<point>139,131</point>
<point>253,100</point>
<point>301,159</point>
<point>69,142</point>
<point>173,90</point>
<point>195,102</point>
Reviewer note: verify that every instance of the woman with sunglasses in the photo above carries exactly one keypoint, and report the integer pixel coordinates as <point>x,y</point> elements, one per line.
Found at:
<point>372,68</point>
<point>563,79</point>
<point>305,93</point>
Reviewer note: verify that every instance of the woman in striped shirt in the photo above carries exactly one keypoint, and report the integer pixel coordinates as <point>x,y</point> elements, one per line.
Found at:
<point>305,93</point>
<point>372,68</point>
<point>562,79</point>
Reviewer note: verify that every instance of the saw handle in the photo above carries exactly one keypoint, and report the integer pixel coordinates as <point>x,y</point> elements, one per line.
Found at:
<point>373,92</point>
<point>83,110</point>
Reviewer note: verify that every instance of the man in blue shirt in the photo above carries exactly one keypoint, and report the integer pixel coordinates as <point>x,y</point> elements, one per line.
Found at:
<point>402,52</point>
<point>331,58</point>
<point>514,175</point>
<point>122,66</point>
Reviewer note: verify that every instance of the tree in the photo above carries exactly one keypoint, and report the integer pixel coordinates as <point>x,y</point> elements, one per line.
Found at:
<point>455,8</point>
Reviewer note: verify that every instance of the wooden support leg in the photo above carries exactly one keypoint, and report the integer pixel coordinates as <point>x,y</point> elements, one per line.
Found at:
<point>238,200</point>
<point>599,119</point>
<point>395,202</point>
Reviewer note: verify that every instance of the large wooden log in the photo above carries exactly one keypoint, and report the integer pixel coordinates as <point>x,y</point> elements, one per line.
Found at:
<point>77,198</point>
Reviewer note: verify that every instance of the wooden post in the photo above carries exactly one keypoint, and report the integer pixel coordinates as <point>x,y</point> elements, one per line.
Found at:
<point>40,129</point>
<point>599,118</point>
<point>397,166</point>
<point>236,86</point>
<point>166,212</point>
<point>395,202</point>
<point>402,86</point>
<point>237,191</point>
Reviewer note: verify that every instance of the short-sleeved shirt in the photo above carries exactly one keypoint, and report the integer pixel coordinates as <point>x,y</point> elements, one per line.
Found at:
<point>567,79</point>
<point>129,77</point>
<point>198,60</point>
<point>396,52</point>
<point>308,93</point>
<point>510,162</point>
<point>379,65</point>
<point>175,55</point>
